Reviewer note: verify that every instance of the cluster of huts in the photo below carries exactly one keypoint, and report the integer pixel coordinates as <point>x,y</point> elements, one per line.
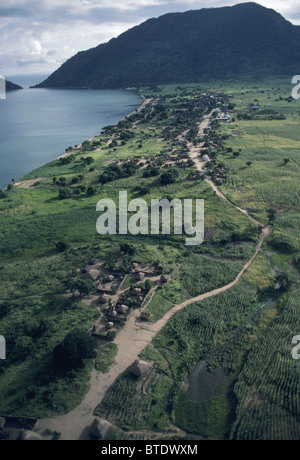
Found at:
<point>19,428</point>
<point>116,304</point>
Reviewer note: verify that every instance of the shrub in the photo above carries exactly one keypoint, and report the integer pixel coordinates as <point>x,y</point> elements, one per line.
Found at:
<point>64,194</point>
<point>67,160</point>
<point>61,246</point>
<point>91,191</point>
<point>108,176</point>
<point>23,347</point>
<point>87,161</point>
<point>283,243</point>
<point>297,262</point>
<point>145,190</point>
<point>84,287</point>
<point>76,347</point>
<point>4,309</point>
<point>169,177</point>
<point>127,249</point>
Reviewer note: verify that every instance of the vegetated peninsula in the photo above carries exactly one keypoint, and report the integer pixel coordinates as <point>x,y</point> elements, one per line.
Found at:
<point>243,40</point>
<point>12,86</point>
<point>123,337</point>
<point>179,339</point>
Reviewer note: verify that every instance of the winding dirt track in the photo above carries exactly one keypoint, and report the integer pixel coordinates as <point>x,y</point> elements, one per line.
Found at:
<point>132,339</point>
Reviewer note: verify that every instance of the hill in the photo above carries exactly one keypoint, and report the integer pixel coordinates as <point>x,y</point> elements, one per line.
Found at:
<point>12,86</point>
<point>199,45</point>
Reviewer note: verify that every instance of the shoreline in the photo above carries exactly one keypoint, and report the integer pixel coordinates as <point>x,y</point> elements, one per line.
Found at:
<point>20,180</point>
<point>138,109</point>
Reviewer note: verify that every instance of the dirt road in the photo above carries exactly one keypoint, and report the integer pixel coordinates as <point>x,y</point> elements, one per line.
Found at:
<point>132,339</point>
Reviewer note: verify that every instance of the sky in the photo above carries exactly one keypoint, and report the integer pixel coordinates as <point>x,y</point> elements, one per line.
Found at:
<point>37,36</point>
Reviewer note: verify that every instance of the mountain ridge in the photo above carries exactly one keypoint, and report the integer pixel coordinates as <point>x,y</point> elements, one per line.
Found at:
<point>12,86</point>
<point>242,40</point>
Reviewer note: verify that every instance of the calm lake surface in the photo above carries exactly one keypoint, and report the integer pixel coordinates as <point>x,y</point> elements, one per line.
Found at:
<point>37,125</point>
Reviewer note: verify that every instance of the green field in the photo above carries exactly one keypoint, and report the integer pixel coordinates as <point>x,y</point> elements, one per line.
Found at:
<point>246,331</point>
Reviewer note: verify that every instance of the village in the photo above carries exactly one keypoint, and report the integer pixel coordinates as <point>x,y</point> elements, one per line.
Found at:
<point>118,294</point>
<point>121,289</point>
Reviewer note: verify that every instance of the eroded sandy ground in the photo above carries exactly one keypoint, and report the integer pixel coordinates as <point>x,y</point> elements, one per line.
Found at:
<point>29,183</point>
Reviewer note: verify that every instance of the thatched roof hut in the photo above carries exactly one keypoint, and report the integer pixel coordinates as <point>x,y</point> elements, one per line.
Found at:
<point>87,268</point>
<point>99,428</point>
<point>140,368</point>
<point>140,276</point>
<point>164,279</point>
<point>104,298</point>
<point>134,267</point>
<point>26,435</point>
<point>94,261</point>
<point>109,278</point>
<point>92,274</point>
<point>123,309</point>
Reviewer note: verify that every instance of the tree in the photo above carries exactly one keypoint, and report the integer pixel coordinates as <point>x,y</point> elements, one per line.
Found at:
<point>297,262</point>
<point>61,246</point>
<point>154,172</point>
<point>272,214</point>
<point>91,191</point>
<point>87,161</point>
<point>23,346</point>
<point>4,309</point>
<point>108,176</point>
<point>169,177</point>
<point>67,160</point>
<point>286,161</point>
<point>145,190</point>
<point>114,143</point>
<point>249,163</point>
<point>127,249</point>
<point>64,194</point>
<point>127,135</point>
<point>62,181</point>
<point>148,285</point>
<point>284,281</point>
<point>74,349</point>
<point>84,287</point>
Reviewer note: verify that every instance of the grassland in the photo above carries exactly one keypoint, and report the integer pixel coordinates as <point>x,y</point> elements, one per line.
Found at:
<point>266,183</point>
<point>234,331</point>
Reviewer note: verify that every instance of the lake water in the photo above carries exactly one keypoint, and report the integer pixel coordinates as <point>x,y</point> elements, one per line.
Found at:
<point>37,125</point>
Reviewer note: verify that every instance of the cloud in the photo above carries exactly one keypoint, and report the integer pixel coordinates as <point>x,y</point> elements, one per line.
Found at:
<point>44,33</point>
